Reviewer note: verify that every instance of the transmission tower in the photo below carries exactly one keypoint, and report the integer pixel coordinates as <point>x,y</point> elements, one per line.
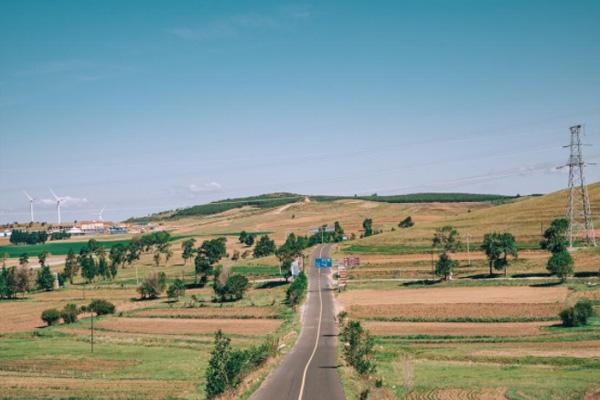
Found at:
<point>579,212</point>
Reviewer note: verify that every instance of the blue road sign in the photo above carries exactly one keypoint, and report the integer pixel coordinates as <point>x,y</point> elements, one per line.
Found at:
<point>323,262</point>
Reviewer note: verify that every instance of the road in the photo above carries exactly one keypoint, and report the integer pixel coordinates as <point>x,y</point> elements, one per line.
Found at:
<point>309,371</point>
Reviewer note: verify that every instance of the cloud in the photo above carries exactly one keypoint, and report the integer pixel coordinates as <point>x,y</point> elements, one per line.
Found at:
<point>66,201</point>
<point>205,188</point>
<point>236,25</point>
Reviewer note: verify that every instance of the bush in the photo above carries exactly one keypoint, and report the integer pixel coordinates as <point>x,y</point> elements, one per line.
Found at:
<point>296,291</point>
<point>153,285</point>
<point>101,307</point>
<point>50,316</point>
<point>578,314</point>
<point>45,278</point>
<point>358,347</point>
<point>69,313</point>
<point>561,264</point>
<point>406,222</point>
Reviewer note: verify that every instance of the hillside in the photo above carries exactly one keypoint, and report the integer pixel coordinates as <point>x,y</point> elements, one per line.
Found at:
<point>272,200</point>
<point>526,218</point>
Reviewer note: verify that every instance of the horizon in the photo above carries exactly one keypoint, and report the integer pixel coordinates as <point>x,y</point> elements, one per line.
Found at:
<point>141,108</point>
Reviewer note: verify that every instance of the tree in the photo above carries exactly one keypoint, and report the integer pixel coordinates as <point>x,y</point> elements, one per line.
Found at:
<point>45,278</point>
<point>288,252</point>
<point>50,316</point>
<point>71,266</point>
<point>578,314</point>
<point>213,249</point>
<point>233,289</point>
<point>176,290</point>
<point>100,307</point>
<point>187,249</point>
<point>264,247</point>
<point>69,313</point>
<point>218,377</point>
<point>445,266</point>
<point>8,283</point>
<point>3,258</point>
<point>367,227</point>
<point>561,264</point>
<point>497,247</point>
<point>42,258</point>
<point>246,238</point>
<point>203,268</point>
<point>406,222</point>
<point>447,239</point>
<point>118,255</point>
<point>103,268</point>
<point>358,347</point>
<point>23,260</point>
<point>555,237</point>
<point>296,291</point>
<point>153,285</point>
<point>89,269</point>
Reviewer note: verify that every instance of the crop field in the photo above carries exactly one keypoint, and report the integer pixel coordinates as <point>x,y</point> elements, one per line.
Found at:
<point>151,349</point>
<point>488,340</point>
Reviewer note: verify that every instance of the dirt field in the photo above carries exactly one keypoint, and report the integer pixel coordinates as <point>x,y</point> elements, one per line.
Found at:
<point>456,328</point>
<point>458,310</point>
<point>210,312</point>
<point>190,326</point>
<point>14,385</point>
<point>455,295</point>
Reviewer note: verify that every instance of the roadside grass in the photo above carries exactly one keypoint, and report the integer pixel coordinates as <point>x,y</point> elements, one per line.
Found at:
<point>256,271</point>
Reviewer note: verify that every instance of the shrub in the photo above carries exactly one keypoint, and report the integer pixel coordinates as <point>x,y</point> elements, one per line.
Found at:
<point>50,316</point>
<point>69,313</point>
<point>101,307</point>
<point>406,222</point>
<point>45,278</point>
<point>296,291</point>
<point>561,264</point>
<point>152,286</point>
<point>578,314</point>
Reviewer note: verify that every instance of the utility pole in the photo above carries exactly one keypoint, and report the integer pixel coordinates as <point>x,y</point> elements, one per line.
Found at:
<point>92,332</point>
<point>468,249</point>
<point>579,212</point>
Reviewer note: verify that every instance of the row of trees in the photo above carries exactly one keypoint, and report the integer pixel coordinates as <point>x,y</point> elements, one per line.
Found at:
<point>498,247</point>
<point>23,237</point>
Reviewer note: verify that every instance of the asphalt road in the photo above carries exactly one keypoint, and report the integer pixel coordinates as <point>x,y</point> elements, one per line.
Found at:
<point>309,371</point>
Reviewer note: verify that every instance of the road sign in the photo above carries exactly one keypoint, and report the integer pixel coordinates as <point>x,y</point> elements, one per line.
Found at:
<point>322,229</point>
<point>295,268</point>
<point>342,275</point>
<point>323,262</point>
<point>351,262</point>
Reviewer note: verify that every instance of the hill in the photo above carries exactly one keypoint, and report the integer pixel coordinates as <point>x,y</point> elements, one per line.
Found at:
<point>272,200</point>
<point>526,218</point>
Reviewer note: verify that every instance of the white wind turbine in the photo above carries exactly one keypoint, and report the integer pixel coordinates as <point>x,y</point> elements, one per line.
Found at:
<point>100,214</point>
<point>58,201</point>
<point>31,200</point>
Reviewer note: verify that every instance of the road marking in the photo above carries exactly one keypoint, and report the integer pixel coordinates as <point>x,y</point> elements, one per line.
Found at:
<point>318,334</point>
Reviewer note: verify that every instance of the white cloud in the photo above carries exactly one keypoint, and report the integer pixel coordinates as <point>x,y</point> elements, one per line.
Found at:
<point>66,201</point>
<point>205,188</point>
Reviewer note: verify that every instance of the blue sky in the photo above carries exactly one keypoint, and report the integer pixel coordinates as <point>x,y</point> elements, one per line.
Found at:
<point>142,106</point>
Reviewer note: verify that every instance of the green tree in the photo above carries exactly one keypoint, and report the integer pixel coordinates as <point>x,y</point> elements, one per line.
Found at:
<point>117,255</point>
<point>71,266</point>
<point>23,260</point>
<point>50,316</point>
<point>218,376</point>
<point>367,227</point>
<point>578,314</point>
<point>445,266</point>
<point>561,264</point>
<point>187,249</point>
<point>203,268</point>
<point>103,268</point>
<point>447,239</point>
<point>358,347</point>
<point>69,313</point>
<point>264,247</point>
<point>213,249</point>
<point>233,289</point>
<point>89,269</point>
<point>8,283</point>
<point>45,278</point>
<point>288,252</point>
<point>153,285</point>
<point>42,257</point>
<point>100,307</point>
<point>555,237</point>
<point>176,290</point>
<point>497,247</point>
<point>406,222</point>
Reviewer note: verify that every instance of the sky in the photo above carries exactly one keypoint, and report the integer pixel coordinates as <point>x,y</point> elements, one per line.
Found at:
<point>142,106</point>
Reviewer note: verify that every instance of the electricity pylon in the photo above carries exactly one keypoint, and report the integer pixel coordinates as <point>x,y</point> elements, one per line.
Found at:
<point>579,212</point>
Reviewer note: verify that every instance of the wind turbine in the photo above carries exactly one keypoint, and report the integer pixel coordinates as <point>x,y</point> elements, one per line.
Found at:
<point>100,214</point>
<point>58,201</point>
<point>31,199</point>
